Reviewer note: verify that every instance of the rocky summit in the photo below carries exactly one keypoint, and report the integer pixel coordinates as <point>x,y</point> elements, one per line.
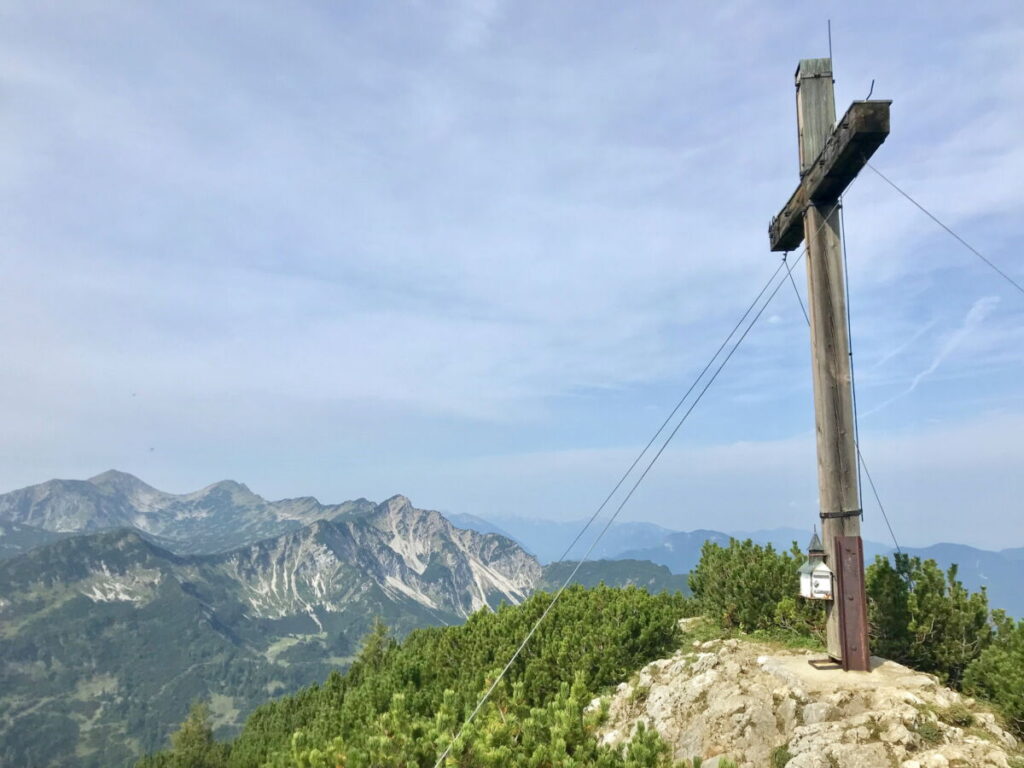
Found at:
<point>757,705</point>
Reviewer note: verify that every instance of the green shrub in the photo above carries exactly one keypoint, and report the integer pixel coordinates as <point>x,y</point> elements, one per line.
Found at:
<point>925,618</point>
<point>192,745</point>
<point>998,673</point>
<point>929,731</point>
<point>749,587</point>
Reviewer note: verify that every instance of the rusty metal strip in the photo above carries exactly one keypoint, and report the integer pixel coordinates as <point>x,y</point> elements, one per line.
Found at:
<point>852,603</point>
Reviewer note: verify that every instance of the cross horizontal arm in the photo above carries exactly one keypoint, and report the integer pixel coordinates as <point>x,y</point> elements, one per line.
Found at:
<point>860,132</point>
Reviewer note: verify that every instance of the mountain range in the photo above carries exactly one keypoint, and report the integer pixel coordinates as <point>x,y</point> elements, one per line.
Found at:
<point>120,604</point>
<point>217,518</point>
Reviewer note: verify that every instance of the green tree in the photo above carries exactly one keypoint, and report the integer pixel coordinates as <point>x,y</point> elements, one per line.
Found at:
<point>192,745</point>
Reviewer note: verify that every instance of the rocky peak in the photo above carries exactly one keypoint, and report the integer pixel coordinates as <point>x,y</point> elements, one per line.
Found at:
<point>760,705</point>
<point>398,516</point>
<point>398,504</point>
<point>131,492</point>
<point>230,487</point>
<point>114,479</point>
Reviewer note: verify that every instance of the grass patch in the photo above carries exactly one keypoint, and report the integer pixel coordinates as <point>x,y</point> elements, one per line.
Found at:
<point>781,638</point>
<point>708,629</point>
<point>929,731</point>
<point>702,631</point>
<point>957,715</point>
<point>984,735</point>
<point>638,696</point>
<point>780,756</point>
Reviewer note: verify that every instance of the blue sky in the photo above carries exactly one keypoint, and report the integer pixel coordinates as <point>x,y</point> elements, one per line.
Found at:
<point>473,252</point>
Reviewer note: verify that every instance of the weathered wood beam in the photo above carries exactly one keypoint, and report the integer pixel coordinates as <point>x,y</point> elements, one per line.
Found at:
<point>786,231</point>
<point>859,133</point>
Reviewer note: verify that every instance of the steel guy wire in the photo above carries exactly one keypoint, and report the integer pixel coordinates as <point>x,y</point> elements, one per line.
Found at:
<point>849,339</point>
<point>487,694</point>
<point>483,700</point>
<point>860,456</point>
<point>936,219</point>
<point>669,418</point>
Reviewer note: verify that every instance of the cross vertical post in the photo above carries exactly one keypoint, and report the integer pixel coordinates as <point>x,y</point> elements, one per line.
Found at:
<point>830,343</point>
<point>830,157</point>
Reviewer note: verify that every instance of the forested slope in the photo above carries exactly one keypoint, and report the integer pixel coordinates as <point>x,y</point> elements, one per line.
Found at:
<point>401,704</point>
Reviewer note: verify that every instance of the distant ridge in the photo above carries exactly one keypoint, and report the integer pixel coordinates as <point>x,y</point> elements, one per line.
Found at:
<point>217,518</point>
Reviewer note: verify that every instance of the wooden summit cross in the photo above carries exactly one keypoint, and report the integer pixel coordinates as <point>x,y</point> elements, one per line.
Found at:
<point>831,156</point>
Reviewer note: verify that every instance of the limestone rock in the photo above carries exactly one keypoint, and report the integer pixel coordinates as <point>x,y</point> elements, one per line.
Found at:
<point>743,701</point>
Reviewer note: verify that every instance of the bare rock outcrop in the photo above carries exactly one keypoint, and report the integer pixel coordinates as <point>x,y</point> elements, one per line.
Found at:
<point>761,706</point>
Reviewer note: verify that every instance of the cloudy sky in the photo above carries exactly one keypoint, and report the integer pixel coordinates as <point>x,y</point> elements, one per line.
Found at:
<point>473,252</point>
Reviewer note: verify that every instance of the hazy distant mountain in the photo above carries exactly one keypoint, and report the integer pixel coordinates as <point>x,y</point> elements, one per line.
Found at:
<point>1001,575</point>
<point>217,518</point>
<point>615,573</point>
<point>105,632</point>
<point>783,538</point>
<point>474,523</point>
<point>547,539</point>
<point>1016,553</point>
<point>679,551</point>
<point>780,538</point>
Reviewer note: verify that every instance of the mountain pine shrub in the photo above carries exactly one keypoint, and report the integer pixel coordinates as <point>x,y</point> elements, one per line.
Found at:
<point>749,587</point>
<point>919,615</point>
<point>400,704</point>
<point>998,673</point>
<point>925,618</point>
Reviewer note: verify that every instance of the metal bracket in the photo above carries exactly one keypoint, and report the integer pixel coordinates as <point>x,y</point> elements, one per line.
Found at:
<point>848,513</point>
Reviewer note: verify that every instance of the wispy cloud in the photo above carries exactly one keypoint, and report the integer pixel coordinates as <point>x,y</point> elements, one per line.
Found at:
<point>975,316</point>
<point>904,346</point>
